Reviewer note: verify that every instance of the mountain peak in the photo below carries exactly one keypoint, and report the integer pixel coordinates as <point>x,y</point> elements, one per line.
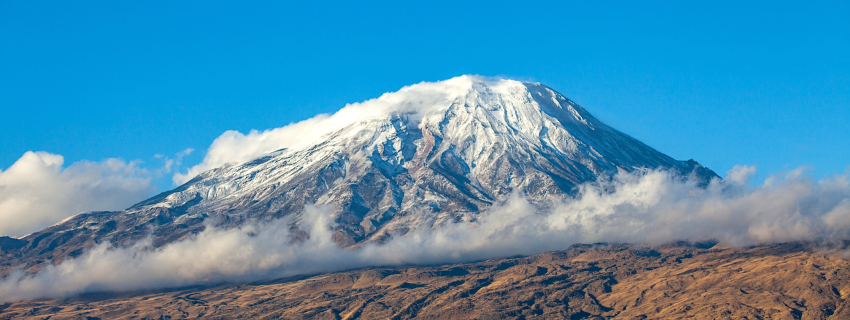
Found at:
<point>426,155</point>
<point>521,104</point>
<point>432,151</point>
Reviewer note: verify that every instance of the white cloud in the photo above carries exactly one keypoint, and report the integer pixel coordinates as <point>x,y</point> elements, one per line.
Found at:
<point>36,191</point>
<point>170,164</point>
<point>652,208</point>
<point>740,175</point>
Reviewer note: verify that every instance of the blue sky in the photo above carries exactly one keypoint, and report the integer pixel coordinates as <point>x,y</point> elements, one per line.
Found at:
<point>725,83</point>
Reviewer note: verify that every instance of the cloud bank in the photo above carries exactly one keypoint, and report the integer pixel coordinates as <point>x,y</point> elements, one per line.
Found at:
<point>36,191</point>
<point>653,208</point>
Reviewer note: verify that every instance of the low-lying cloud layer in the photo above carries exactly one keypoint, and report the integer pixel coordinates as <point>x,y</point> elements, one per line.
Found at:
<point>36,191</point>
<point>653,208</point>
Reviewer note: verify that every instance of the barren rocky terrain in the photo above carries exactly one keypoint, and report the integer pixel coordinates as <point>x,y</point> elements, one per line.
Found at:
<point>685,280</point>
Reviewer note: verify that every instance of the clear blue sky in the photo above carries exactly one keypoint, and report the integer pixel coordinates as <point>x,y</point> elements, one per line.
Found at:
<point>724,83</point>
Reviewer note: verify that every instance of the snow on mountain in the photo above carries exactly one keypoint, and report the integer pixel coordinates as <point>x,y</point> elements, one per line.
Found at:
<point>428,154</point>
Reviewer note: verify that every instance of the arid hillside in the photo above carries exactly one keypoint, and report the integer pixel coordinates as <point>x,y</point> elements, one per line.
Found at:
<point>786,281</point>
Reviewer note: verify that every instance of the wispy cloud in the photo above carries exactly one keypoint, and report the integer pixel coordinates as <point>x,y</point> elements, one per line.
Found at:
<point>169,164</point>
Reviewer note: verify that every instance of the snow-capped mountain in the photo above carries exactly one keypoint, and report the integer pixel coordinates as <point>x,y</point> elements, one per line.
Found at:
<point>429,154</point>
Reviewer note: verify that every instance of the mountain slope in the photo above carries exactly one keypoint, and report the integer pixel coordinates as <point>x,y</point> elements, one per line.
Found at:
<point>429,154</point>
<point>682,281</point>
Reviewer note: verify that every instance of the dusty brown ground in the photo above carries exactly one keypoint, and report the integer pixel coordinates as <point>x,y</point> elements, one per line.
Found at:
<point>624,282</point>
